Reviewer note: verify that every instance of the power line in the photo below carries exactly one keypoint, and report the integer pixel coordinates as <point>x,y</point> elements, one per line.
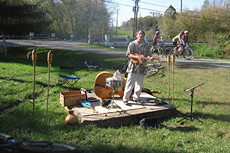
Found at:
<point>151,10</point>
<point>154,4</point>
<point>132,6</point>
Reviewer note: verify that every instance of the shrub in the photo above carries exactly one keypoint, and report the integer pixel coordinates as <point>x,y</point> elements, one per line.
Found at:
<point>227,50</point>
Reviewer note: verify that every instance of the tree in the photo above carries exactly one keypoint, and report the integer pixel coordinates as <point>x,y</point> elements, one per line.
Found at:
<point>21,18</point>
<point>167,23</point>
<point>91,17</point>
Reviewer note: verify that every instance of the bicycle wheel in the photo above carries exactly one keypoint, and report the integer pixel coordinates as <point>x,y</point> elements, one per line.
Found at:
<point>5,145</point>
<point>168,51</point>
<point>45,147</point>
<point>4,138</point>
<point>150,70</point>
<point>172,51</point>
<point>188,53</point>
<point>160,52</point>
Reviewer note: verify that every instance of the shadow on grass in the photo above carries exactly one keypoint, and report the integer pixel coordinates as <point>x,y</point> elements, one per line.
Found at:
<point>200,116</point>
<point>122,148</point>
<point>38,123</point>
<point>23,81</point>
<point>220,117</point>
<point>181,128</point>
<point>213,103</point>
<point>60,57</point>
<point>201,65</point>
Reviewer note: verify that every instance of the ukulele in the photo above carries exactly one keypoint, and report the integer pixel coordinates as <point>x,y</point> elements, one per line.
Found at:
<point>143,58</point>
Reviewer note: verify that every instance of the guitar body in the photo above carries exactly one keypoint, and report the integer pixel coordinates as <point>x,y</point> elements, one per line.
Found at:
<point>100,88</point>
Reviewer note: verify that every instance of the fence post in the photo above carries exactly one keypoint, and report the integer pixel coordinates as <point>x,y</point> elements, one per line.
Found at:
<point>127,40</point>
<point>146,39</point>
<point>89,39</point>
<point>162,39</point>
<point>72,37</point>
<point>31,35</point>
<point>52,36</point>
<point>107,40</point>
<point>4,44</point>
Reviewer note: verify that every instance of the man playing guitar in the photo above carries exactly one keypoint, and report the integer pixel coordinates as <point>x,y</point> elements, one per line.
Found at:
<point>138,53</point>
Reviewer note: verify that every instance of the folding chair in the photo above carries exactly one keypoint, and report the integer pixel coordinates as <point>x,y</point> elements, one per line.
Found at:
<point>67,76</point>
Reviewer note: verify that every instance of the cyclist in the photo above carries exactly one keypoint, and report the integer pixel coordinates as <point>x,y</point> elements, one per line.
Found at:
<point>183,42</point>
<point>178,38</point>
<point>178,41</point>
<point>154,40</point>
<point>185,38</point>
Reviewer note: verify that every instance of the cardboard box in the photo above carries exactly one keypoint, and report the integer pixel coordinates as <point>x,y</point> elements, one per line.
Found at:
<point>70,98</point>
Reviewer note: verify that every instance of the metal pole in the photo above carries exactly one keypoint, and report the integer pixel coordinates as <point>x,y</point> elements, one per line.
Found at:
<point>168,61</point>
<point>135,10</point>
<point>49,60</point>
<point>4,44</point>
<point>34,60</point>
<point>153,23</point>
<point>173,60</point>
<point>192,91</point>
<point>134,22</point>
<point>117,23</point>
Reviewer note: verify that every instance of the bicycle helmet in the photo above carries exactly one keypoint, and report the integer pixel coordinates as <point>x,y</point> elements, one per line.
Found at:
<point>186,32</point>
<point>157,32</point>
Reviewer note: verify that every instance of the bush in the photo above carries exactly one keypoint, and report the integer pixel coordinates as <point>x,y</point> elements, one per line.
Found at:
<point>227,50</point>
<point>205,50</point>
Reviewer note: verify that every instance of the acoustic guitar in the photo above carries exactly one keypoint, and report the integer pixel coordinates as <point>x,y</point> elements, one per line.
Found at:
<point>143,58</point>
<point>103,91</point>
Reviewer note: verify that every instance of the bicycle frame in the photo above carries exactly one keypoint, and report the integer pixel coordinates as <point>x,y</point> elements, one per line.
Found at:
<point>158,48</point>
<point>187,52</point>
<point>8,144</point>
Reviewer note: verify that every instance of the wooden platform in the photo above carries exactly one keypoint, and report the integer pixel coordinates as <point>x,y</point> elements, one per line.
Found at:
<point>121,114</point>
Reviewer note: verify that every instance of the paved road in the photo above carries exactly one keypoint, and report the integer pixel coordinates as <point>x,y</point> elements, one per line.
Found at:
<point>75,46</point>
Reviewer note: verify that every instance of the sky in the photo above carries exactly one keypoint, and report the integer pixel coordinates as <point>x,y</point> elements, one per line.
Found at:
<point>146,7</point>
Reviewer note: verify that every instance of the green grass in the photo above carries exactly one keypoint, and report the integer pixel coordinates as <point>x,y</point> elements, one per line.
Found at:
<point>205,51</point>
<point>211,104</point>
<point>102,47</point>
<point>123,32</point>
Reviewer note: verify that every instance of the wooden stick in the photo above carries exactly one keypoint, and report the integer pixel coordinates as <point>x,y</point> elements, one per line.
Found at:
<point>49,60</point>
<point>34,60</point>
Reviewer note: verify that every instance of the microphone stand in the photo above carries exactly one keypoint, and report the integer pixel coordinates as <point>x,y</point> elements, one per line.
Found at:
<point>190,115</point>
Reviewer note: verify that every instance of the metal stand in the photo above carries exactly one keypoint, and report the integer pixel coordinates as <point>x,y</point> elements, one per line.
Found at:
<point>112,104</point>
<point>190,115</point>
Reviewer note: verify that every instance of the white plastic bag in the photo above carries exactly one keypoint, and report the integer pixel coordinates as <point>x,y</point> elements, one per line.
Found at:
<point>117,75</point>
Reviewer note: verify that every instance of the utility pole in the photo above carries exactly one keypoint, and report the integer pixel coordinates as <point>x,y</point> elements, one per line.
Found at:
<point>153,22</point>
<point>135,10</point>
<point>181,6</point>
<point>117,23</point>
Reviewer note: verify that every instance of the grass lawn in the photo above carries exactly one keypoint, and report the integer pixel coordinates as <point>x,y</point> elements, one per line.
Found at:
<point>211,104</point>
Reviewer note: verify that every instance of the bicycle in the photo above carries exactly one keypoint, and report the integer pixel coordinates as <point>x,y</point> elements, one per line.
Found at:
<point>92,66</point>
<point>27,145</point>
<point>152,69</point>
<point>159,50</point>
<point>186,52</point>
<point>121,67</point>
